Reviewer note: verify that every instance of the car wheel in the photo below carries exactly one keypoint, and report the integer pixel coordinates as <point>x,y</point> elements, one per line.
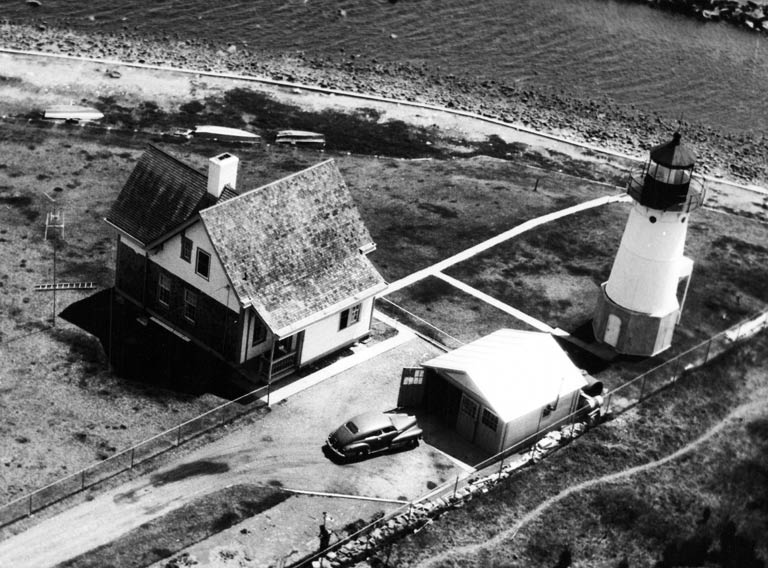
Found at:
<point>413,443</point>
<point>363,453</point>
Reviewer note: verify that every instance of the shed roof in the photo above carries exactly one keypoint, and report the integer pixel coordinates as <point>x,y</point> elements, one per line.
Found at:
<point>673,154</point>
<point>513,372</point>
<point>161,194</point>
<point>292,248</point>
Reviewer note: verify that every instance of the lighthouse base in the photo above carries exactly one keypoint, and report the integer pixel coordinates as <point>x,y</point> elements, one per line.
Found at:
<point>630,332</point>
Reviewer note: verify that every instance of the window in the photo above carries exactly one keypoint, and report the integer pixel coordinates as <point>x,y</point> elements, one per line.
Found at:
<point>259,332</point>
<point>469,407</point>
<point>203,266</point>
<point>190,305</point>
<point>186,248</point>
<point>349,317</point>
<point>164,289</point>
<point>490,419</point>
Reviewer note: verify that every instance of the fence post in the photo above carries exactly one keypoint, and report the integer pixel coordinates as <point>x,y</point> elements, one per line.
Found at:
<point>501,464</point>
<point>455,487</point>
<point>706,355</point>
<point>642,388</point>
<point>132,450</point>
<point>676,370</point>
<point>30,505</point>
<point>178,435</point>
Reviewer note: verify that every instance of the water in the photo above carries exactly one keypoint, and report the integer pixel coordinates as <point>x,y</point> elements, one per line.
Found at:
<point>710,73</point>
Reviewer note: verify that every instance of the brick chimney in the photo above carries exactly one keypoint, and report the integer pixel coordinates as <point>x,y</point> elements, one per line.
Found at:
<point>222,170</point>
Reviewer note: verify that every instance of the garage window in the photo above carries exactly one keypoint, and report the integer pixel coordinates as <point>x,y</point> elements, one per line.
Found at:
<point>490,419</point>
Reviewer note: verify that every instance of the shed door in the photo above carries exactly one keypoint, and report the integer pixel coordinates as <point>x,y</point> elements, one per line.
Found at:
<point>466,423</point>
<point>489,431</point>
<point>411,387</point>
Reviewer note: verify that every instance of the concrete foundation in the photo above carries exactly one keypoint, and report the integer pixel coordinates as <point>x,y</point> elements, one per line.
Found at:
<point>630,332</point>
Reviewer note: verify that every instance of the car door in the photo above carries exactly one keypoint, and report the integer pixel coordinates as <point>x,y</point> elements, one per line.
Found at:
<point>374,440</point>
<point>387,435</point>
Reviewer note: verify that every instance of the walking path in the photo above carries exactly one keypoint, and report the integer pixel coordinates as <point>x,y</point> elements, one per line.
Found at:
<point>736,416</point>
<point>500,238</point>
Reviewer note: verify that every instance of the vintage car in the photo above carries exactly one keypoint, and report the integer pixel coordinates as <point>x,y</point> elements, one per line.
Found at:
<point>373,432</point>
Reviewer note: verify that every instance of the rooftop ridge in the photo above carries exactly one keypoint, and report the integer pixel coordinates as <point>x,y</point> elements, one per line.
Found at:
<point>270,184</point>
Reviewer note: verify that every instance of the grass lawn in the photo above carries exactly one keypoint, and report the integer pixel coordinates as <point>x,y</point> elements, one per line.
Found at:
<point>419,211</point>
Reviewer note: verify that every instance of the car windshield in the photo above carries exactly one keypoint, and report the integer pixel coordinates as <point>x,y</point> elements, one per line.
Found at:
<point>351,427</point>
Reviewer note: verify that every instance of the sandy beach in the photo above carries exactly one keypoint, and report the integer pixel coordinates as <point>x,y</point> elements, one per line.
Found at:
<point>600,122</point>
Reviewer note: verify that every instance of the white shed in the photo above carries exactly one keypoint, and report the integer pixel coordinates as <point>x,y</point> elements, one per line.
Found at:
<point>502,388</point>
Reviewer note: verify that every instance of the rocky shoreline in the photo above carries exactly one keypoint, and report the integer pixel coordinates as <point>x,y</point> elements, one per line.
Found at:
<point>749,15</point>
<point>599,121</point>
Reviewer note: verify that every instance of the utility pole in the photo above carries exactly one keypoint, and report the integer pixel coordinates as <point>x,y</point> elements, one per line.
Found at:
<point>54,220</point>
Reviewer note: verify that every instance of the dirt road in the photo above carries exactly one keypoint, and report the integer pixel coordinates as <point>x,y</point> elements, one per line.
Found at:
<point>284,449</point>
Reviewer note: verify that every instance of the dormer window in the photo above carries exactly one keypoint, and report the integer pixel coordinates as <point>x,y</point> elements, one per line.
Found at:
<point>186,248</point>
<point>203,265</point>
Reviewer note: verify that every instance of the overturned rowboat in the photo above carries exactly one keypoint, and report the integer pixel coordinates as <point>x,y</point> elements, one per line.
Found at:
<point>300,138</point>
<point>224,134</point>
<point>72,113</point>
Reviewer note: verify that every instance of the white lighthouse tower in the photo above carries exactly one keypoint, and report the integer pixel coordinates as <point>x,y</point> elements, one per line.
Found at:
<point>642,300</point>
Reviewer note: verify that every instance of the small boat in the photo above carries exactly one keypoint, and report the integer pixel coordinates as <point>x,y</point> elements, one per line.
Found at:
<point>72,113</point>
<point>300,138</point>
<point>224,134</point>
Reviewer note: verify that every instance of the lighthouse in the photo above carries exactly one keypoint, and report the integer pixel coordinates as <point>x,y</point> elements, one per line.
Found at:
<point>642,300</point>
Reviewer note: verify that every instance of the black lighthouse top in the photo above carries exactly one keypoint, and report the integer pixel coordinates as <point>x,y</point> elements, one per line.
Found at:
<point>673,154</point>
<point>665,182</point>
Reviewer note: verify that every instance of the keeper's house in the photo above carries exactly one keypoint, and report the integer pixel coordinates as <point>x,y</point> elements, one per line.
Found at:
<point>266,280</point>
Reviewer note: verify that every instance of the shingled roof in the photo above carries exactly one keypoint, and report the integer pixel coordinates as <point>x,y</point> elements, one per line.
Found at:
<point>291,248</point>
<point>161,194</point>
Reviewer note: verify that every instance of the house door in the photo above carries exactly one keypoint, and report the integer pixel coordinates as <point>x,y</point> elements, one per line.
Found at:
<point>411,387</point>
<point>285,356</point>
<point>612,330</point>
<point>466,423</point>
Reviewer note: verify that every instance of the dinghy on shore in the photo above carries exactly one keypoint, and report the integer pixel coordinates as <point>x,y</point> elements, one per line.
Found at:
<point>223,134</point>
<point>300,138</point>
<point>72,113</point>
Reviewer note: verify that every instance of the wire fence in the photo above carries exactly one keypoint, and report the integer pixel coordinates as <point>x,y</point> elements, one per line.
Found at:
<point>616,401</point>
<point>128,459</point>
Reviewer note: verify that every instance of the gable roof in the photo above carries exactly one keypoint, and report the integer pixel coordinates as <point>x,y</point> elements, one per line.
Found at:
<point>514,372</point>
<point>161,194</point>
<point>291,249</point>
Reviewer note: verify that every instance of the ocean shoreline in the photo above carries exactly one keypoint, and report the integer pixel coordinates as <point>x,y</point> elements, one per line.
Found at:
<point>599,121</point>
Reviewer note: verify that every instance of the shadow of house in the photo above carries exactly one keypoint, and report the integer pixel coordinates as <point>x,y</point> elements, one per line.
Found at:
<point>143,354</point>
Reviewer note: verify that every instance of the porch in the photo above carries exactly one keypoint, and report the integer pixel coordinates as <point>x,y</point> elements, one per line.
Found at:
<point>276,363</point>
